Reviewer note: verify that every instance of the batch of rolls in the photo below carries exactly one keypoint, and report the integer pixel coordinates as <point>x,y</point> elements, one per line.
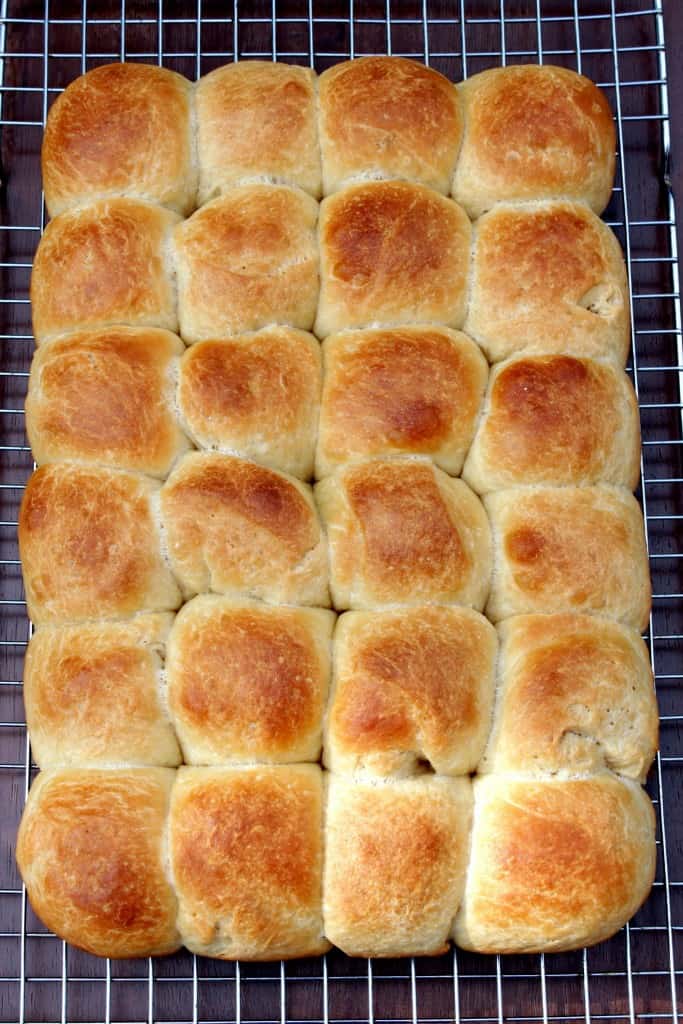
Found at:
<point>459,228</point>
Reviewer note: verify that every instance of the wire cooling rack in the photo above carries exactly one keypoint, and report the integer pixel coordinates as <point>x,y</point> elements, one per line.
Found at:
<point>617,43</point>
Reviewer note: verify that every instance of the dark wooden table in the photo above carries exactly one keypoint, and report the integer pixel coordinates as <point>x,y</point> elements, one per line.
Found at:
<point>673,28</point>
<point>627,978</point>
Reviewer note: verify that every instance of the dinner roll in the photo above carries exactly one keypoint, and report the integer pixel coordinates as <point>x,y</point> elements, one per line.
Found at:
<point>247,260</point>
<point>411,686</point>
<point>533,131</point>
<point>90,545</point>
<point>387,117</point>
<point>107,263</point>
<point>106,396</point>
<point>391,253</point>
<point>402,532</point>
<point>575,695</point>
<point>246,848</point>
<point>239,529</point>
<point>257,120</point>
<point>257,395</point>
<point>569,549</point>
<point>95,694</point>
<point>91,853</point>
<point>556,420</point>
<point>395,860</point>
<point>554,864</point>
<point>548,277</point>
<point>248,682</point>
<point>120,129</point>
<point>404,390</point>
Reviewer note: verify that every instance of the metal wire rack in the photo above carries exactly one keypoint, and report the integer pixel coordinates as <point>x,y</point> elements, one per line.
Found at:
<point>618,43</point>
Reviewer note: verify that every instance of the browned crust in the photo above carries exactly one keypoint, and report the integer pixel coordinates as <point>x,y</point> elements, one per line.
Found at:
<point>533,131</point>
<point>246,852</point>
<point>90,852</point>
<point>248,681</point>
<point>247,260</point>
<point>90,547</point>
<point>554,864</point>
<point>375,403</point>
<point>120,129</point>
<point>391,253</point>
<point>556,419</point>
<point>257,119</point>
<point>104,264</point>
<point>106,397</point>
<point>390,117</point>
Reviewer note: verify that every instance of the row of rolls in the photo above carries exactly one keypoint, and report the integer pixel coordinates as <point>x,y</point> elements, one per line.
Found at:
<point>538,276</point>
<point>483,705</point>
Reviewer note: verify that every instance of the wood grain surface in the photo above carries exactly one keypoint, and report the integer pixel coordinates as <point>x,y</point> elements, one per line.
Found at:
<point>626,978</point>
<point>673,34</point>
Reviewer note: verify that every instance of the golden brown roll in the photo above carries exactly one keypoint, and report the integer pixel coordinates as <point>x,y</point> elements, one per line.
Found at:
<point>95,694</point>
<point>395,860</point>
<point>90,850</point>
<point>248,682</point>
<point>575,695</point>
<point>106,263</point>
<point>120,129</point>
<point>257,395</point>
<point>569,549</point>
<point>548,277</point>
<point>556,420</point>
<point>90,545</point>
<point>554,864</point>
<point>412,686</point>
<point>257,120</point>
<point>106,396</point>
<point>402,532</point>
<point>239,529</point>
<point>246,847</point>
<point>405,390</point>
<point>387,117</point>
<point>247,260</point>
<point>533,131</point>
<point>391,253</point>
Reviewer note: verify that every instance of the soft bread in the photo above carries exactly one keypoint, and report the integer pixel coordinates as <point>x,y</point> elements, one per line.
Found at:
<point>533,131</point>
<point>95,694</point>
<point>247,260</point>
<point>402,532</point>
<point>548,277</point>
<point>256,395</point>
<point>90,850</point>
<point>249,852</point>
<point>120,129</point>
<point>248,682</point>
<point>410,686</point>
<point>575,695</point>
<point>106,397</point>
<point>387,117</point>
<point>257,120</point>
<point>554,864</point>
<point>106,263</point>
<point>395,860</point>
<point>391,253</point>
<point>246,849</point>
<point>569,549</point>
<point>90,545</point>
<point>239,529</point>
<point>556,420</point>
<point>404,390</point>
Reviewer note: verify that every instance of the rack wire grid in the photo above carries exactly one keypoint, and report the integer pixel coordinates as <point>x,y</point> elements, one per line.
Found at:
<point>620,45</point>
